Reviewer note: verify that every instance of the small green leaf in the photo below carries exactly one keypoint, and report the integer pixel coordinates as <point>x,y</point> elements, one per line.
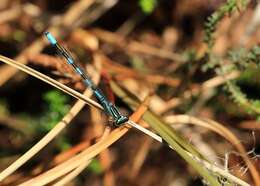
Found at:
<point>95,167</point>
<point>57,108</point>
<point>63,143</point>
<point>147,6</point>
<point>19,35</point>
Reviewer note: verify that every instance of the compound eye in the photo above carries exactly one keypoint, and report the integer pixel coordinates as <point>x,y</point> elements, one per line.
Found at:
<point>121,120</point>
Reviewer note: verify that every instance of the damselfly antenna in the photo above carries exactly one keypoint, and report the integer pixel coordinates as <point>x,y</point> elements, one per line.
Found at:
<point>109,108</point>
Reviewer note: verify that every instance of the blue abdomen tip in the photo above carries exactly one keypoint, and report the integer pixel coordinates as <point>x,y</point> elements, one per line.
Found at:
<point>51,39</point>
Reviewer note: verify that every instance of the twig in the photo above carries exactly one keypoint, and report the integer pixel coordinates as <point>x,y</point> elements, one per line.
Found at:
<point>76,11</point>
<point>54,132</point>
<point>129,25</point>
<point>78,170</point>
<point>135,46</point>
<point>221,130</point>
<point>93,14</point>
<point>205,87</point>
<point>10,14</point>
<point>252,26</point>
<point>46,139</point>
<point>73,174</point>
<point>250,125</point>
<point>84,156</point>
<point>39,44</point>
<point>140,157</point>
<point>50,81</point>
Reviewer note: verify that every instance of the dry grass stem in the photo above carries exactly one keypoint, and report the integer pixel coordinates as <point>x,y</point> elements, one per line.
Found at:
<point>222,131</point>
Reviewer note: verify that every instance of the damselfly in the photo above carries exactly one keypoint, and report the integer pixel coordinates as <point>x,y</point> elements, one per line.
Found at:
<point>109,108</point>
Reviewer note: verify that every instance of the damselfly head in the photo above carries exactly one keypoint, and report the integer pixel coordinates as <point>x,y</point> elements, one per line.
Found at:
<point>122,119</point>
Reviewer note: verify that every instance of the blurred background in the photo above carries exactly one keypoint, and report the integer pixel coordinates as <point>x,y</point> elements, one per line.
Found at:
<point>197,61</point>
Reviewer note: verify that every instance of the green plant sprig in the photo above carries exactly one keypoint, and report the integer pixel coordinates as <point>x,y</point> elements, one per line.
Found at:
<point>57,107</point>
<point>212,21</point>
<point>240,58</point>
